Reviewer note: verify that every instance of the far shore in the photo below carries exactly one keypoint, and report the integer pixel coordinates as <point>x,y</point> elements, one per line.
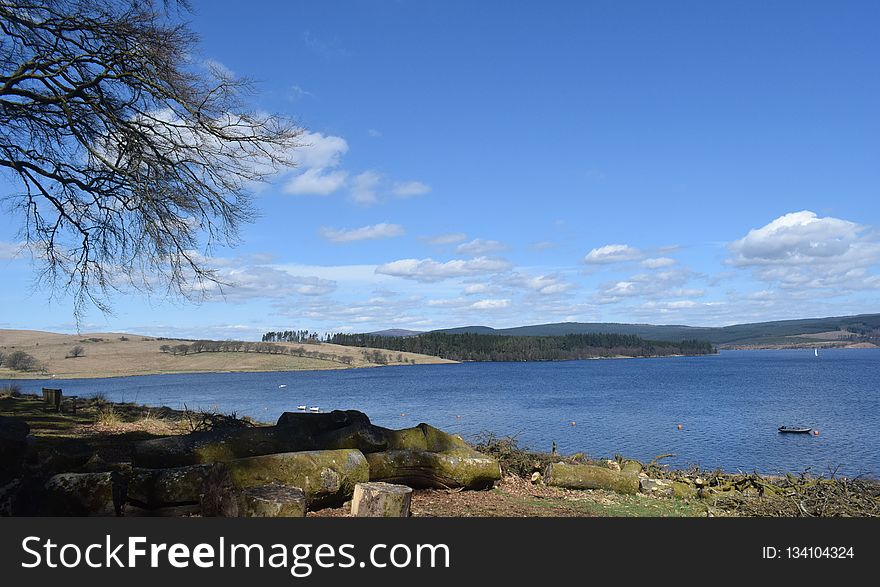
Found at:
<point>124,355</point>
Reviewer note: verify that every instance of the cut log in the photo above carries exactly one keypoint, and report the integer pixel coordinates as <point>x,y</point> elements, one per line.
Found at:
<point>381,500</point>
<point>451,469</point>
<point>590,477</point>
<point>168,488</point>
<point>327,477</point>
<point>272,501</point>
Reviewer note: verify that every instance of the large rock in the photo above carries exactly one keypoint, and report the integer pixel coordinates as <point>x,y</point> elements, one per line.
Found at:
<point>326,477</point>
<point>572,476</point>
<point>83,494</point>
<point>295,431</point>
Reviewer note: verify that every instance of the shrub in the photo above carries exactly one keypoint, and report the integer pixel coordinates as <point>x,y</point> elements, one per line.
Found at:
<point>21,361</point>
<point>77,351</point>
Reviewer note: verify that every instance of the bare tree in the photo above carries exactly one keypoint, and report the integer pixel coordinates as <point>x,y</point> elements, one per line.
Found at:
<point>131,155</point>
<point>77,351</point>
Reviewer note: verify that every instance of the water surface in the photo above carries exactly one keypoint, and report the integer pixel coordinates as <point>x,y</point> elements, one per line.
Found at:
<point>729,405</point>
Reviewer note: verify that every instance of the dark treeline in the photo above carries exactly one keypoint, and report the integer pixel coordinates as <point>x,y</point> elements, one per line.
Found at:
<point>303,336</point>
<point>238,346</point>
<point>487,347</point>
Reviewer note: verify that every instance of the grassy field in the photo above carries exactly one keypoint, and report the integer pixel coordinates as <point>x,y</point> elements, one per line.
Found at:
<point>120,355</point>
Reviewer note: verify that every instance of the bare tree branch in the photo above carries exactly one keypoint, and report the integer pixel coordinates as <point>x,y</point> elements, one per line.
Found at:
<point>130,154</point>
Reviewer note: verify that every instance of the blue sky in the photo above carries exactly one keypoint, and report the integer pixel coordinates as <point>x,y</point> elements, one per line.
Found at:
<point>507,163</point>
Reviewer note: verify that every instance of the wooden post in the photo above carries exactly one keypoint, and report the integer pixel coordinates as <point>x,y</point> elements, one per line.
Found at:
<point>53,396</point>
<point>381,500</point>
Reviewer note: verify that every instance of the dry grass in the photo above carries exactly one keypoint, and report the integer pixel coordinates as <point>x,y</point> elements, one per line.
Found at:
<point>120,355</point>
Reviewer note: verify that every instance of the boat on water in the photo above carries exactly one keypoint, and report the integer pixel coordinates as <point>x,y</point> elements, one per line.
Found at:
<point>315,409</point>
<point>303,408</point>
<point>795,429</point>
<point>817,351</point>
<point>282,386</point>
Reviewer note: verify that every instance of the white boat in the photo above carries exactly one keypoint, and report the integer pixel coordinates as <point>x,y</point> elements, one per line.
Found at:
<point>303,408</point>
<point>282,386</point>
<point>816,351</point>
<point>315,409</point>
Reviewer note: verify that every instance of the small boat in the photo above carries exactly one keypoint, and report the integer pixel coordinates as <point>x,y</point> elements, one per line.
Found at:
<point>817,352</point>
<point>795,429</point>
<point>303,408</point>
<point>282,386</point>
<point>315,409</point>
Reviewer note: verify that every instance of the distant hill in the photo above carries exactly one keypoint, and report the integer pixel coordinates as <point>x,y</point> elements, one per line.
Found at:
<point>805,331</point>
<point>396,332</point>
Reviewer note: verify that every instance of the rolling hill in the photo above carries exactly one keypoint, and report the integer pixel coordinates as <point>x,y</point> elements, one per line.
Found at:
<point>808,331</point>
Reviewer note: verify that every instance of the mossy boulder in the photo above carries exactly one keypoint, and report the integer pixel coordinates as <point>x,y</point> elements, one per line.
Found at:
<point>84,494</point>
<point>683,490</point>
<point>327,477</point>
<point>631,467</point>
<point>571,476</point>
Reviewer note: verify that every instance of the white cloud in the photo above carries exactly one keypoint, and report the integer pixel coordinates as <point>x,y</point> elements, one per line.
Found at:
<point>659,284</point>
<point>316,182</point>
<point>247,282</point>
<point>364,187</point>
<point>801,250</point>
<point>542,284</point>
<point>658,262</point>
<point>543,245</point>
<point>318,157</point>
<point>446,239</point>
<point>490,304</point>
<point>319,151</point>
<point>428,270</point>
<point>476,288</point>
<point>371,232</point>
<point>11,250</point>
<point>374,133</point>
<point>479,247</point>
<point>410,189</point>
<point>612,254</point>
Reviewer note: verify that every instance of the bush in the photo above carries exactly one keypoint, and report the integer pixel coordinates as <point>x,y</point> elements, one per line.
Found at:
<point>77,351</point>
<point>21,361</point>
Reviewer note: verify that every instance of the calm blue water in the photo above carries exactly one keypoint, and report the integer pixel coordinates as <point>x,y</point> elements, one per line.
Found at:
<point>729,405</point>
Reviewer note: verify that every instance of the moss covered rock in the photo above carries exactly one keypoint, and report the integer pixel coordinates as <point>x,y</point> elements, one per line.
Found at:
<point>327,477</point>
<point>84,494</point>
<point>449,469</point>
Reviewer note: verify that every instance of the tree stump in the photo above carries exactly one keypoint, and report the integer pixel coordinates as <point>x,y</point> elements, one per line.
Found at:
<point>381,500</point>
<point>272,501</point>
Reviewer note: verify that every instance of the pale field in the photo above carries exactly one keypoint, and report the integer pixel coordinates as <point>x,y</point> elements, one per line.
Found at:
<point>140,355</point>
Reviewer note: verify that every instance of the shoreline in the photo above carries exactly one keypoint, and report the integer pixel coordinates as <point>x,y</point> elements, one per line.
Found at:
<point>111,427</point>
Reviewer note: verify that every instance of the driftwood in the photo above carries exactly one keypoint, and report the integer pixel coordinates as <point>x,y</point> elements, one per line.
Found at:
<point>381,500</point>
